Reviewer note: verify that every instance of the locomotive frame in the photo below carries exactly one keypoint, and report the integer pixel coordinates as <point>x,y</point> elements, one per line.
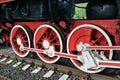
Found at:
<point>89,45</point>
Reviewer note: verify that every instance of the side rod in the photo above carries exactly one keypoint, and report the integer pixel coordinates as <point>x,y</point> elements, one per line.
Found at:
<point>101,63</point>
<point>72,56</point>
<point>102,47</point>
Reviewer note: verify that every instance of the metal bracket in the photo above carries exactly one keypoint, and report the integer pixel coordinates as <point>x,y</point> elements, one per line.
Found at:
<point>50,52</point>
<point>88,60</point>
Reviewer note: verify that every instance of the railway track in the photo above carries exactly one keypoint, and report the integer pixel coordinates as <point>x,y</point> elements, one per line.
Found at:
<point>32,69</point>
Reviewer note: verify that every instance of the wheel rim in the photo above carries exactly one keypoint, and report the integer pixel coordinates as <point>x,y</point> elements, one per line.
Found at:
<point>88,34</point>
<point>19,35</point>
<point>44,37</point>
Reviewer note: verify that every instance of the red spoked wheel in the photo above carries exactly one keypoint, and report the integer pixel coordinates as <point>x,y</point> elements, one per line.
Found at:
<point>20,35</point>
<point>91,35</point>
<point>46,36</point>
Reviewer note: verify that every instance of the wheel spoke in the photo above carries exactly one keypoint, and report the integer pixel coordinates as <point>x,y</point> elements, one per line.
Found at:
<point>14,40</point>
<point>24,36</point>
<point>56,44</point>
<point>20,34</point>
<point>54,38</point>
<point>25,44</point>
<point>25,41</point>
<point>39,43</point>
<point>19,31</point>
<point>46,34</point>
<point>98,39</point>
<point>51,33</point>
<point>49,38</point>
<point>16,35</point>
<point>90,35</point>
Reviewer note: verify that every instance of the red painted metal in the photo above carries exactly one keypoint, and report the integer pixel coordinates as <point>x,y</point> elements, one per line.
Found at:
<point>18,36</point>
<point>109,26</point>
<point>65,55</point>
<point>5,37</point>
<point>33,25</point>
<point>114,64</point>
<point>103,48</point>
<point>19,33</point>
<point>5,1</point>
<point>89,36</point>
<point>46,34</point>
<point>33,49</point>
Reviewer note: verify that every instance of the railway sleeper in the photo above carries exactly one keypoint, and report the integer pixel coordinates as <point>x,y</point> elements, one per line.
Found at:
<point>49,72</point>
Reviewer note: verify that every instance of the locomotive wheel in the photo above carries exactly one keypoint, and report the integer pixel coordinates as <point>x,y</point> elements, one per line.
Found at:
<point>46,36</point>
<point>20,35</point>
<point>90,35</point>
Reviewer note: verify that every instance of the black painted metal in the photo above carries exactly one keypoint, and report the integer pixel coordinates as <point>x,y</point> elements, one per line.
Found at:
<point>99,9</point>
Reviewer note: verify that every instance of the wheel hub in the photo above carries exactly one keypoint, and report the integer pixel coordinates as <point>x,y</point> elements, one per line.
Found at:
<point>19,41</point>
<point>46,44</point>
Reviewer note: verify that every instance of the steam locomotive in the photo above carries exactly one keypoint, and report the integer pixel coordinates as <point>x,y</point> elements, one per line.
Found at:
<point>47,27</point>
